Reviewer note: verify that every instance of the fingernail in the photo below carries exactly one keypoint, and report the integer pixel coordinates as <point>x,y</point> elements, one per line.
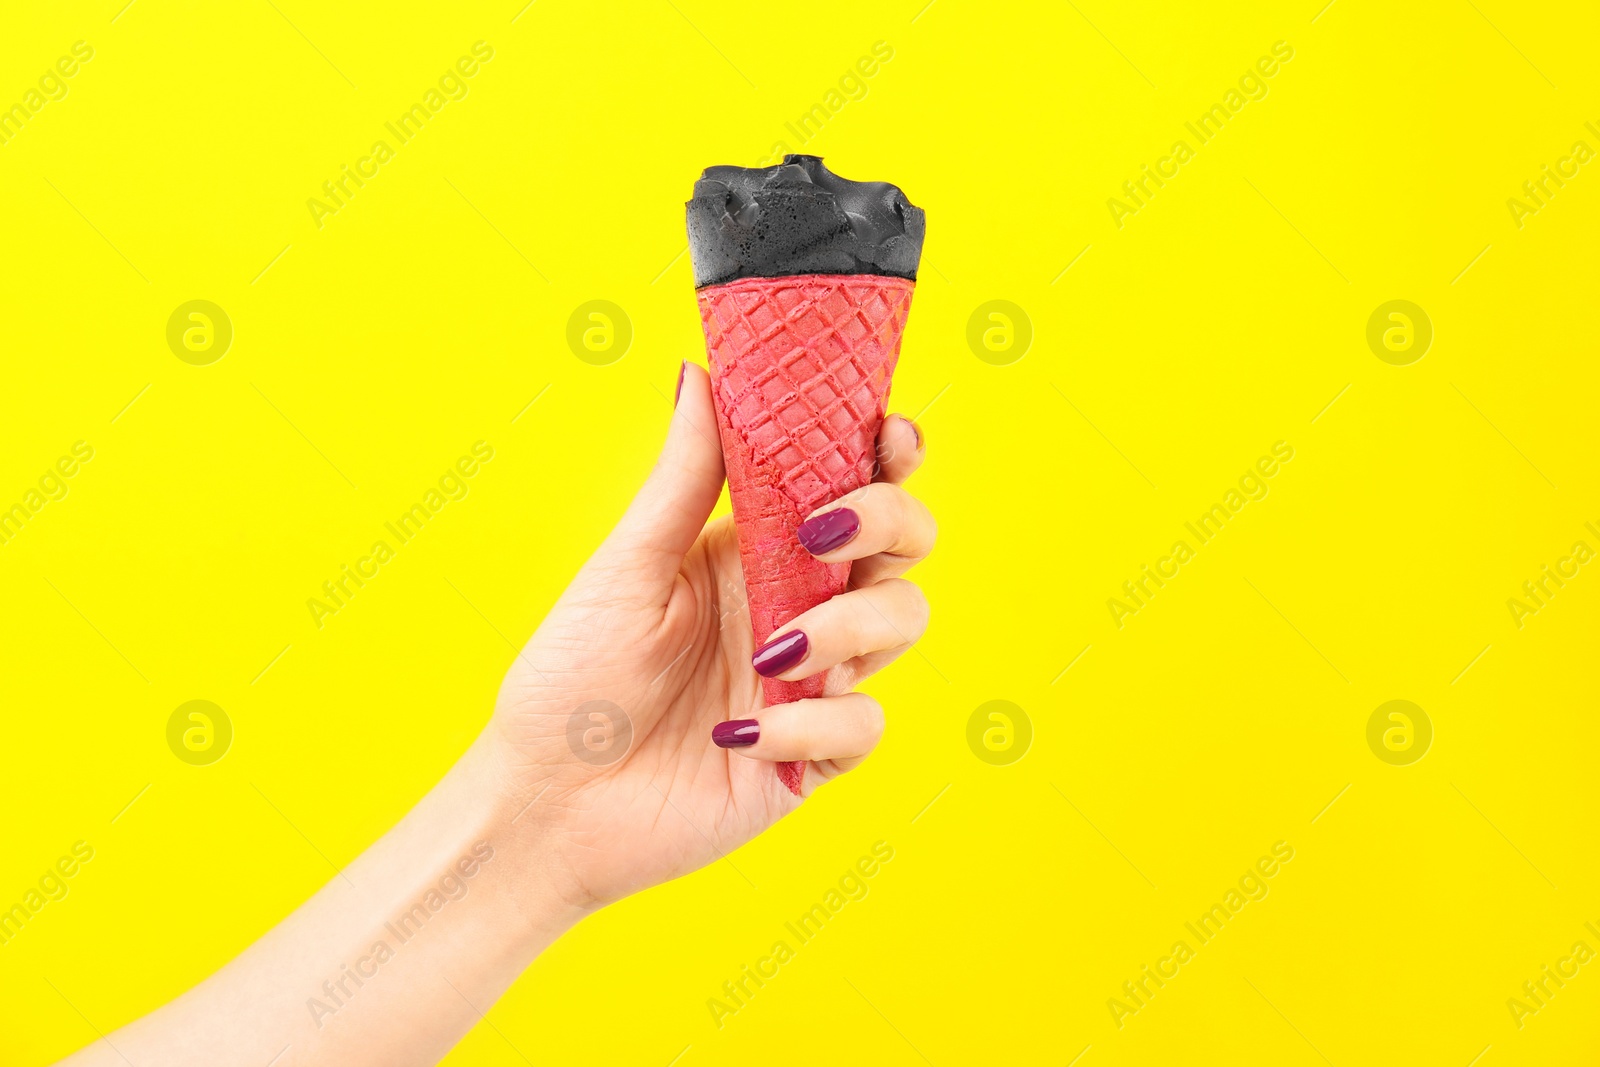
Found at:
<point>824,533</point>
<point>736,733</point>
<point>916,432</point>
<point>682,369</point>
<point>780,653</point>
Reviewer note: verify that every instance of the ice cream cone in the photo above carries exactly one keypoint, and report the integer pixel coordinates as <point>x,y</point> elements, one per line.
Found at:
<point>804,280</point>
<point>801,367</point>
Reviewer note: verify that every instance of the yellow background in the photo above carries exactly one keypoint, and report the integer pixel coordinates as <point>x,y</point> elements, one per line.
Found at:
<point>1223,317</point>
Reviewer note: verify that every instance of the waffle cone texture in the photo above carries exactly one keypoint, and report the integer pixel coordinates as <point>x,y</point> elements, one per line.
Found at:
<point>800,369</point>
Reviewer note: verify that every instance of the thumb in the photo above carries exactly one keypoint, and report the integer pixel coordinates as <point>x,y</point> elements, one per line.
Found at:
<point>671,509</point>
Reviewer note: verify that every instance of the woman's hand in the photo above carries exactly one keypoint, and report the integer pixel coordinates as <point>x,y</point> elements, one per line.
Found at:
<point>604,726</point>
<point>597,776</point>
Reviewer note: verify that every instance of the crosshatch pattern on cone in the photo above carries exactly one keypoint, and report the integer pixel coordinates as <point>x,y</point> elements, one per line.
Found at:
<point>800,368</point>
<point>804,414</point>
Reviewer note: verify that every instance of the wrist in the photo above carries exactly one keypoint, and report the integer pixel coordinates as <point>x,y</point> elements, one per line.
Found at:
<point>526,829</point>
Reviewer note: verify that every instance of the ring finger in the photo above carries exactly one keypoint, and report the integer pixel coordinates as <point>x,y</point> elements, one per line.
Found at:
<point>841,729</point>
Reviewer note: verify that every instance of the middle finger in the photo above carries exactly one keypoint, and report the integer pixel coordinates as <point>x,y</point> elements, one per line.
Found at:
<point>883,618</point>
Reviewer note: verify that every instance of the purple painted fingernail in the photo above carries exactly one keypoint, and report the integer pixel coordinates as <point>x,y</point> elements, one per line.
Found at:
<point>780,653</point>
<point>825,533</point>
<point>682,369</point>
<point>736,733</point>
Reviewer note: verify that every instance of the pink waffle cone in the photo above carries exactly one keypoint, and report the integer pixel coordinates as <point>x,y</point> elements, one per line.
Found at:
<point>800,370</point>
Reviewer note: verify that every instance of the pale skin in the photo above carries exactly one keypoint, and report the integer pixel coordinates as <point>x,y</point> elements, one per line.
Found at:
<point>653,624</point>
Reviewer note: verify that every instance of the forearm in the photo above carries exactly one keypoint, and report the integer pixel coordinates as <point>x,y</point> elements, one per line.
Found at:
<point>391,962</point>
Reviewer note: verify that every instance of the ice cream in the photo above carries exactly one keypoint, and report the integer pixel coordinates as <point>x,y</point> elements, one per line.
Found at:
<point>804,281</point>
<point>799,218</point>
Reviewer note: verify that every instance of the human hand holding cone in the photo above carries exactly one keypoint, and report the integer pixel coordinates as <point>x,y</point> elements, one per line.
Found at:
<point>805,282</point>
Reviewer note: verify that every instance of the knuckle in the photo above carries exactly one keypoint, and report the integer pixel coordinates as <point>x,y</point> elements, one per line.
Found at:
<point>912,525</point>
<point>870,718</point>
<point>856,496</point>
<point>912,601</point>
<point>857,624</point>
<point>920,607</point>
<point>926,530</point>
